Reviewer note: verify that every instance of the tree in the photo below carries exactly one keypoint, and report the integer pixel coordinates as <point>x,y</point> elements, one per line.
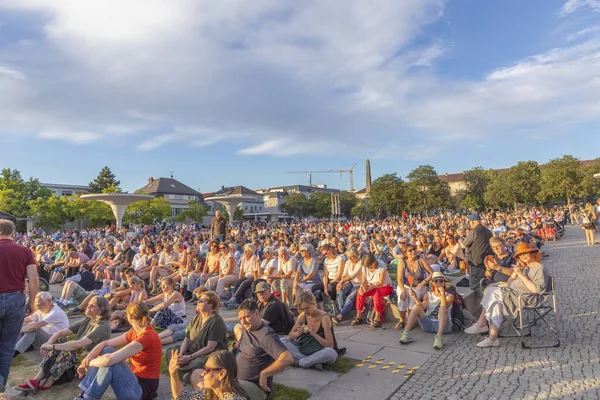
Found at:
<point>589,184</point>
<point>297,205</point>
<point>50,212</point>
<point>562,178</point>
<point>196,212</point>
<point>361,209</point>
<point>476,181</point>
<point>104,180</point>
<point>387,195</point>
<point>348,201</point>
<point>16,193</point>
<point>148,211</point>
<point>320,204</point>
<point>519,184</point>
<point>425,190</point>
<point>238,213</point>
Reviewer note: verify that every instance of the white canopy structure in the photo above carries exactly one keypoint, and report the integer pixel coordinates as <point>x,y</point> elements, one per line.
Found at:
<point>117,201</point>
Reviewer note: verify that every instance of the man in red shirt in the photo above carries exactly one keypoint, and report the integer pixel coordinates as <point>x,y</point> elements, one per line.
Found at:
<point>16,264</point>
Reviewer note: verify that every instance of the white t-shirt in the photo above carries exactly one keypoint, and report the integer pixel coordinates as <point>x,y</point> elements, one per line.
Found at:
<point>288,266</point>
<point>56,319</point>
<point>266,265</point>
<point>351,270</point>
<point>373,277</point>
<point>332,267</point>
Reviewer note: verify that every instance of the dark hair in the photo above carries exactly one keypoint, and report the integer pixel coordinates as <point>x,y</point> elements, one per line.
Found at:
<point>249,305</point>
<point>226,360</point>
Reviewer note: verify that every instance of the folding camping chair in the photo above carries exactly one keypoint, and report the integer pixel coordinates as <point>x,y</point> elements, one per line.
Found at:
<point>530,316</point>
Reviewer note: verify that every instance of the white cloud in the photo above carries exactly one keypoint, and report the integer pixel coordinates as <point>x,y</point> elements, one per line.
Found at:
<point>573,5</point>
<point>281,79</point>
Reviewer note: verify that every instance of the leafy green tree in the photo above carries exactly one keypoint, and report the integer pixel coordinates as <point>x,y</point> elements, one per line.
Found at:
<point>562,178</point>
<point>196,212</point>
<point>16,193</point>
<point>148,211</point>
<point>476,181</point>
<point>589,184</point>
<point>424,190</point>
<point>387,195</point>
<point>519,184</point>
<point>297,205</point>
<point>104,180</point>
<point>238,213</point>
<point>348,201</point>
<point>320,204</point>
<point>361,209</point>
<point>50,212</point>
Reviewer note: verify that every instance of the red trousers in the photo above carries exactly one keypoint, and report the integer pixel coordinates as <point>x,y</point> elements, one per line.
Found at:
<point>378,295</point>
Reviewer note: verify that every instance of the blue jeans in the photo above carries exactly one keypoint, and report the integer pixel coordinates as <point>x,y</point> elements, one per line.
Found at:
<point>12,314</point>
<point>346,299</point>
<point>124,383</point>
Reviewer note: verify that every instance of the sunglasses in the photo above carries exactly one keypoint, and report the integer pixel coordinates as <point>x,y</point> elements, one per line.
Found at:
<point>221,248</point>
<point>438,280</point>
<point>209,370</point>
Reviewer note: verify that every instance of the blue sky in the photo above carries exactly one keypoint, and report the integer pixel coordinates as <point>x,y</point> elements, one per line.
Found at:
<point>239,92</point>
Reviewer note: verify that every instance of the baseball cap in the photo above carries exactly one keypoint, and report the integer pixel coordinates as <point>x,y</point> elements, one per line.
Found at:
<point>261,287</point>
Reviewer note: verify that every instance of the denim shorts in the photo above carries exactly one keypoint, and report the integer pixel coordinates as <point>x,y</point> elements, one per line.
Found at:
<point>431,325</point>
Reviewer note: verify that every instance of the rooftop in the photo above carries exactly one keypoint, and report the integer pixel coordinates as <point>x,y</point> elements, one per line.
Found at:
<point>167,186</point>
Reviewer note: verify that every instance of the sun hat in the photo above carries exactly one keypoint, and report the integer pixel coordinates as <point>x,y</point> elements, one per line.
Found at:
<point>523,248</point>
<point>438,274</point>
<point>261,287</point>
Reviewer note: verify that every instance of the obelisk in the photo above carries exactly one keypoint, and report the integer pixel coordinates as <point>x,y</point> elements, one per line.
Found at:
<point>368,187</point>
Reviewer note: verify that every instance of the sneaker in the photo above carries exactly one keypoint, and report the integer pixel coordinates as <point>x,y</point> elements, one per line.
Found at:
<point>474,329</point>
<point>438,343</point>
<point>406,338</point>
<point>232,304</point>
<point>187,377</point>
<point>80,396</point>
<point>61,306</point>
<point>487,342</point>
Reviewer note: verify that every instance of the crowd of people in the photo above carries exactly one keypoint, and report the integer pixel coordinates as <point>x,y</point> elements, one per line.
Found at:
<point>290,282</point>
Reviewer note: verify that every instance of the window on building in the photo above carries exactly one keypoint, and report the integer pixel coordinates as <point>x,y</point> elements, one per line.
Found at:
<point>67,193</point>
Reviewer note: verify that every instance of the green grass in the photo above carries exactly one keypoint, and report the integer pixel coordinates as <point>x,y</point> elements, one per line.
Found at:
<point>342,365</point>
<point>21,361</point>
<point>164,367</point>
<point>282,392</point>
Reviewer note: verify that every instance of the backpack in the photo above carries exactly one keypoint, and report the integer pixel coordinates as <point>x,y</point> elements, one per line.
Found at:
<point>459,320</point>
<point>290,321</point>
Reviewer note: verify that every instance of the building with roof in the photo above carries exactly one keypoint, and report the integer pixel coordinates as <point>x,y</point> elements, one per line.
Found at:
<point>9,217</point>
<point>171,189</point>
<point>66,190</point>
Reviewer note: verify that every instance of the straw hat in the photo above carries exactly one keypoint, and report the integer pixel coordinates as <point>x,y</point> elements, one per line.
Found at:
<point>523,248</point>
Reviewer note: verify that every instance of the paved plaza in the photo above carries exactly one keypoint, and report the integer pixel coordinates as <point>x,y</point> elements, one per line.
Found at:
<point>388,370</point>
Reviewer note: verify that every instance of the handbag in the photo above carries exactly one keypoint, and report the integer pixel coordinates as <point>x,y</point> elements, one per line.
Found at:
<point>308,345</point>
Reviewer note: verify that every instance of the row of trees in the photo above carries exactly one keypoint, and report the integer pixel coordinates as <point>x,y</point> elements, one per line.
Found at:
<point>318,205</point>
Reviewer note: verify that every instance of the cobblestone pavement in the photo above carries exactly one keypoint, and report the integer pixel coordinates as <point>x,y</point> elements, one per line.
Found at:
<point>571,371</point>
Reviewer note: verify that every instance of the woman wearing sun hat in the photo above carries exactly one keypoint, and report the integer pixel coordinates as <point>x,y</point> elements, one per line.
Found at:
<point>432,313</point>
<point>529,278</point>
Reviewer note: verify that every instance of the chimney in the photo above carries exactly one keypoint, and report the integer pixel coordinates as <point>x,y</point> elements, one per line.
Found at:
<point>150,180</point>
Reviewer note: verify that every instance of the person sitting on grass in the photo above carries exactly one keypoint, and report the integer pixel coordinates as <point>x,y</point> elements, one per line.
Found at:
<point>118,320</point>
<point>432,313</point>
<point>42,324</point>
<point>206,333</point>
<point>171,305</point>
<point>110,289</point>
<point>79,290</point>
<point>218,379</point>
<point>105,366</point>
<point>60,356</point>
<point>261,354</point>
<point>311,341</point>
<point>176,332</point>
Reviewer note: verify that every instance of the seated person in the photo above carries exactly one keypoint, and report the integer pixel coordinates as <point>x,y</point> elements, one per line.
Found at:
<point>110,289</point>
<point>78,289</point>
<point>170,308</point>
<point>90,331</point>
<point>273,312</point>
<point>42,324</point>
<point>176,332</point>
<point>311,341</point>
<point>432,313</point>
<point>218,379</point>
<point>529,279</point>
<point>249,271</point>
<point>206,333</point>
<point>105,366</point>
<point>164,267</point>
<point>498,268</point>
<point>419,271</point>
<point>118,319</point>
<point>283,280</point>
<point>228,272</point>
<point>332,273</point>
<point>210,268</point>
<point>349,285</point>
<point>376,282</point>
<point>261,354</point>
<point>74,263</point>
<point>104,261</point>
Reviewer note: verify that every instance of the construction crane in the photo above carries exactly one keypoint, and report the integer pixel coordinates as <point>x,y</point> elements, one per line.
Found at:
<point>340,171</point>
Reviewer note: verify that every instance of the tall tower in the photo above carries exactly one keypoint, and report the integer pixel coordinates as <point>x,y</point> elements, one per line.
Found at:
<point>368,187</point>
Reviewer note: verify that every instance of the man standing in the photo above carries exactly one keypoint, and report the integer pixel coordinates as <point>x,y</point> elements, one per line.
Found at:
<point>16,264</point>
<point>218,227</point>
<point>477,243</point>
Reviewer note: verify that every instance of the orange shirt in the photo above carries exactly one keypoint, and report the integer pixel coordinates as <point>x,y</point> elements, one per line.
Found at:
<point>146,363</point>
